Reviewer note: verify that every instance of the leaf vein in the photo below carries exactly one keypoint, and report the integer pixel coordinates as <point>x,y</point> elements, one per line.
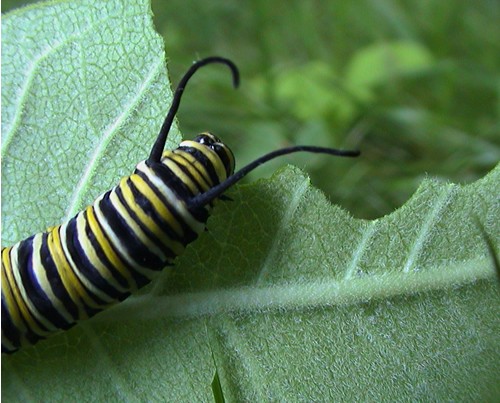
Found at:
<point>30,75</point>
<point>362,246</point>
<point>287,217</point>
<point>426,228</point>
<point>89,169</point>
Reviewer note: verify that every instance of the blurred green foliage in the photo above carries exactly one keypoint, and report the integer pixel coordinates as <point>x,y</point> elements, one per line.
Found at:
<point>414,84</point>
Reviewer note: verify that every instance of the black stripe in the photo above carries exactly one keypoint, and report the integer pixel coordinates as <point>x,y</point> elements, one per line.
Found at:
<point>102,255</point>
<point>162,245</point>
<point>222,153</point>
<point>57,285</point>
<point>95,298</point>
<point>167,176</point>
<point>183,167</point>
<point>55,281</point>
<point>139,279</point>
<point>204,161</point>
<point>127,237</point>
<point>87,268</point>
<point>9,331</point>
<point>24,333</point>
<point>170,179</point>
<point>172,182</point>
<point>145,204</point>
<point>35,292</point>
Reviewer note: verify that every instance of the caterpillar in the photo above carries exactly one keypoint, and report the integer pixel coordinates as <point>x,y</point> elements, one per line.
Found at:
<point>54,279</point>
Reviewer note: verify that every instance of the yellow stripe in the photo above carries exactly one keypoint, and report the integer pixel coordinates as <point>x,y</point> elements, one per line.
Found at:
<point>195,167</point>
<point>12,306</point>
<point>44,282</point>
<point>16,299</point>
<point>184,178</point>
<point>145,218</point>
<point>201,173</point>
<point>99,296</point>
<point>173,163</point>
<point>68,277</point>
<point>213,157</point>
<point>99,265</point>
<point>230,157</point>
<point>144,239</point>
<point>175,246</point>
<point>160,207</point>
<point>107,248</point>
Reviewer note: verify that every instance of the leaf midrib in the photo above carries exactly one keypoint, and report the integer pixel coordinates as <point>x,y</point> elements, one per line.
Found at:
<point>307,295</point>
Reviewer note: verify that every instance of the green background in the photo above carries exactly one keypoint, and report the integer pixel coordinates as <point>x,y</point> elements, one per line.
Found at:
<point>414,85</point>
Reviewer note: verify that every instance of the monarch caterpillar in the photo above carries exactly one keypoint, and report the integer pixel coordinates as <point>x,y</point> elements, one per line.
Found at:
<point>53,279</point>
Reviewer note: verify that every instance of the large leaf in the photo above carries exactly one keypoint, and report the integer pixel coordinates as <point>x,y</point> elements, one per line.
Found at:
<point>84,93</point>
<point>287,296</point>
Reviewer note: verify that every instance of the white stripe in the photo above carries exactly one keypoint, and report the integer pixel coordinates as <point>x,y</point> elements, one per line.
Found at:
<point>172,198</point>
<point>219,167</point>
<point>43,281</point>
<point>118,245</point>
<point>91,254</point>
<point>24,294</point>
<point>85,281</point>
<point>143,237</point>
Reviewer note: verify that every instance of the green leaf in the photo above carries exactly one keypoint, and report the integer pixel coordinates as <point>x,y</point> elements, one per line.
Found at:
<point>290,296</point>
<point>83,96</point>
